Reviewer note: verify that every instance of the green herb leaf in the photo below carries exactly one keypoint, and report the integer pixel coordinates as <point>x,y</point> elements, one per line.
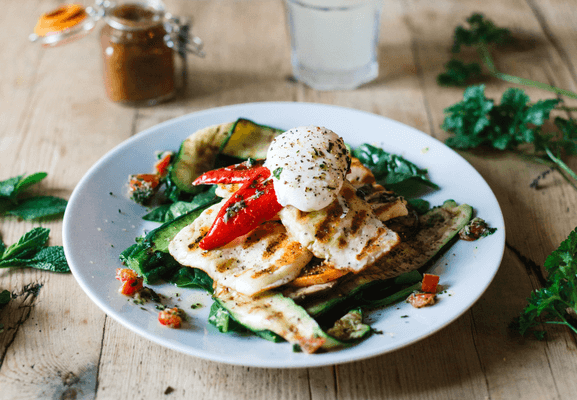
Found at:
<point>38,207</point>
<point>48,259</point>
<point>480,30</point>
<point>276,173</point>
<point>568,139</point>
<point>29,180</point>
<point>8,187</point>
<point>468,119</point>
<point>552,302</point>
<point>457,73</point>
<point>32,207</point>
<point>29,243</point>
<point>477,121</point>
<point>12,187</point>
<point>30,251</point>
<point>481,34</point>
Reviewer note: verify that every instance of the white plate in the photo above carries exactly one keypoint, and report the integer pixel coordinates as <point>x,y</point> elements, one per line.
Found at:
<point>100,222</point>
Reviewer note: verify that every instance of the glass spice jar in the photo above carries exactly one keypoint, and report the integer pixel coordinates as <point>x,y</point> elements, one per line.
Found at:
<point>138,64</point>
<point>139,42</point>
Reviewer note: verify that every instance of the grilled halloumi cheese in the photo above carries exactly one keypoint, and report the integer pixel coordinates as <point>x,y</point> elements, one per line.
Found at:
<point>347,234</point>
<point>262,259</point>
<point>360,175</point>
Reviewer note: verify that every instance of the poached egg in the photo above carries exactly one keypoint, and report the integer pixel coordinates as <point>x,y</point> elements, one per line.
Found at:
<point>309,165</point>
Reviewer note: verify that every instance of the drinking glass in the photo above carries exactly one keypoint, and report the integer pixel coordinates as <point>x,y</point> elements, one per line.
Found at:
<point>334,42</point>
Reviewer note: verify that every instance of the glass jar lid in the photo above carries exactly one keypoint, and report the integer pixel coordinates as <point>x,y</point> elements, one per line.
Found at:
<point>71,22</point>
<point>64,24</point>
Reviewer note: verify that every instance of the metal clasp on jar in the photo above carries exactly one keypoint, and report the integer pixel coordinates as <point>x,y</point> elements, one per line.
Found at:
<point>179,38</point>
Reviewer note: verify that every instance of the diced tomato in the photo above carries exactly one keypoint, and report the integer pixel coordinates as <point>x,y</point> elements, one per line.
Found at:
<point>143,186</point>
<point>124,274</point>
<point>430,283</point>
<point>171,317</point>
<point>163,163</point>
<point>419,300</point>
<point>131,282</point>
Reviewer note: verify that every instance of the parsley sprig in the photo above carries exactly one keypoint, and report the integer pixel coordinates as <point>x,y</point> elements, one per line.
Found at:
<point>481,34</point>
<point>513,124</point>
<point>558,300</point>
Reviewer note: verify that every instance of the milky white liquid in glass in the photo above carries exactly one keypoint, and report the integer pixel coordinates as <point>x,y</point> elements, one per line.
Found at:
<point>334,40</point>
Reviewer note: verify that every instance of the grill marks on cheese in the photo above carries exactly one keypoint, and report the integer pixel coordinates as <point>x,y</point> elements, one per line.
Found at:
<point>260,260</point>
<point>347,234</point>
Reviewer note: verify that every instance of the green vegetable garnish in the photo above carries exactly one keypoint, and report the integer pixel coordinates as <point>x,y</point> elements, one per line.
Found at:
<point>511,125</point>
<point>555,302</point>
<point>276,173</point>
<point>31,251</point>
<point>29,208</point>
<point>168,212</point>
<point>481,34</point>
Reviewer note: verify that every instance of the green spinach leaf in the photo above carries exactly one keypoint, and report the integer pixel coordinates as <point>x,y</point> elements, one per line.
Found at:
<point>168,212</point>
<point>391,170</point>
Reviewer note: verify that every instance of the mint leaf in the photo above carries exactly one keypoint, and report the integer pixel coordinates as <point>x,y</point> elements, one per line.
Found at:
<point>12,187</point>
<point>49,259</point>
<point>30,180</point>
<point>30,251</point>
<point>28,243</point>
<point>32,207</point>
<point>8,187</point>
<point>38,207</point>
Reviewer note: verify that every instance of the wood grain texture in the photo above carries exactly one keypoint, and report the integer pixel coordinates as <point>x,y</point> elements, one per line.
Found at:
<point>54,117</point>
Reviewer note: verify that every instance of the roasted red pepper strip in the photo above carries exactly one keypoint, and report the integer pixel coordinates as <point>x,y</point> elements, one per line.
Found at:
<point>254,203</point>
<point>237,173</point>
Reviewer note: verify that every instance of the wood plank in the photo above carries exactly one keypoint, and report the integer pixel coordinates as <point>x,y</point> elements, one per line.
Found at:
<point>57,121</point>
<point>55,117</point>
<point>536,220</point>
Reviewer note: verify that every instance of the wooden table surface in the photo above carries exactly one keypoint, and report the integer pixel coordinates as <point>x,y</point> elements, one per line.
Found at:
<point>55,117</point>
